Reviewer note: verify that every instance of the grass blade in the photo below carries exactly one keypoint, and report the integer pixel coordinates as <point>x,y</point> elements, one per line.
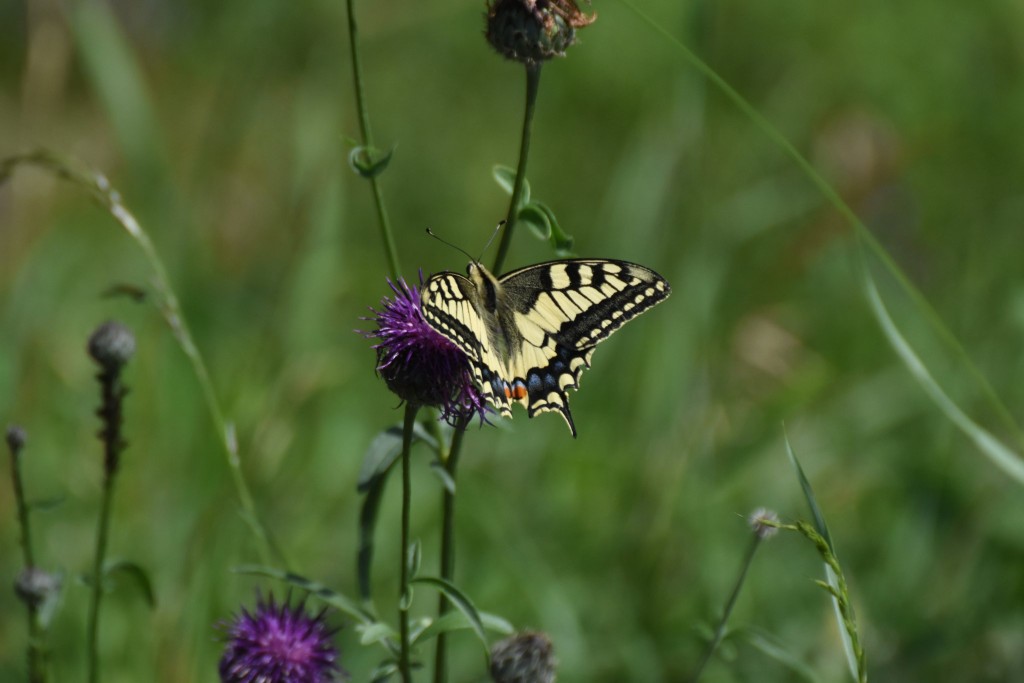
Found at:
<point>1001,456</point>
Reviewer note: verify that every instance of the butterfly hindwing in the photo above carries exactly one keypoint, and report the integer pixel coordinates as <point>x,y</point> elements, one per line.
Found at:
<point>530,334</point>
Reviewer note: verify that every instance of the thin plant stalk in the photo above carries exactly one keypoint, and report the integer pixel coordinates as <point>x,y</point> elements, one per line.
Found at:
<point>452,460</point>
<point>404,668</point>
<point>364,126</point>
<point>110,199</point>
<point>102,531</point>
<point>111,346</point>
<point>451,463</point>
<point>532,88</point>
<point>720,629</point>
<point>36,649</point>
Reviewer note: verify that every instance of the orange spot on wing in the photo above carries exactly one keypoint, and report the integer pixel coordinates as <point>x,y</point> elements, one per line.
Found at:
<point>519,390</point>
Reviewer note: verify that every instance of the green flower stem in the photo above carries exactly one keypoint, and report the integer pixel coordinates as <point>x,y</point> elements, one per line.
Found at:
<point>532,87</point>
<point>110,199</point>
<point>364,126</point>
<point>451,463</point>
<point>716,640</point>
<point>403,557</point>
<point>36,646</point>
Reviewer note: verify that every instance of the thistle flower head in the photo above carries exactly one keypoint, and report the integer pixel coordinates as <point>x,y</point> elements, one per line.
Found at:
<point>527,657</point>
<point>533,31</point>
<point>279,644</point>
<point>417,363</point>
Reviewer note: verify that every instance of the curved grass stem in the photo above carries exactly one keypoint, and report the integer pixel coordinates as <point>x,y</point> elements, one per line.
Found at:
<point>110,199</point>
<point>866,238</point>
<point>720,629</point>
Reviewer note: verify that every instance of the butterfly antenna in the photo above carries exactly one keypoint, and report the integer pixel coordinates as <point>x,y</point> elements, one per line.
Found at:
<point>442,241</point>
<point>493,235</point>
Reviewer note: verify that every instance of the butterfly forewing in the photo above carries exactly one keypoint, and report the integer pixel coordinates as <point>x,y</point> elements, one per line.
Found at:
<point>450,306</point>
<point>530,334</point>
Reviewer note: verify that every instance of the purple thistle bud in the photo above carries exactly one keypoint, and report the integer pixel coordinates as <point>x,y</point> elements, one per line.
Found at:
<point>527,657</point>
<point>279,644</point>
<point>417,363</point>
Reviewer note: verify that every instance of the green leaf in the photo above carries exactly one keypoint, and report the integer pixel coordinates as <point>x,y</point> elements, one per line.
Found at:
<point>136,574</point>
<point>383,672</point>
<point>384,450</point>
<point>414,556</point>
<point>368,162</point>
<point>816,514</point>
<point>374,633</point>
<point>506,178</point>
<point>367,524</point>
<point>462,603</point>
<point>833,581</point>
<point>534,218</point>
<point>561,241</point>
<point>380,456</point>
<point>329,596</point>
<point>444,475</point>
<point>457,621</point>
<point>773,648</point>
<point>1001,456</point>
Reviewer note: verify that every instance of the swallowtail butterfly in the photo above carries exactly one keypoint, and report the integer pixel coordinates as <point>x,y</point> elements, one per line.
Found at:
<point>530,333</point>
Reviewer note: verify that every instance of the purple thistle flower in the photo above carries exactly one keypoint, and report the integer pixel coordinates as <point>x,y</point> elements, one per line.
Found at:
<point>279,644</point>
<point>417,362</point>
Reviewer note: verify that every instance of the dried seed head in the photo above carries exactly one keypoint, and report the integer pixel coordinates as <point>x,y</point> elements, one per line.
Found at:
<point>16,438</point>
<point>527,657</point>
<point>763,521</point>
<point>112,345</point>
<point>35,586</point>
<point>533,31</point>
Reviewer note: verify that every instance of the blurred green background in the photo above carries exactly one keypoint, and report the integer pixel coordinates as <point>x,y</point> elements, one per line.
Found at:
<point>223,126</point>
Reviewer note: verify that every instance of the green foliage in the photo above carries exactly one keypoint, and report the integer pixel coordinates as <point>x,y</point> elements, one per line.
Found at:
<point>219,124</point>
